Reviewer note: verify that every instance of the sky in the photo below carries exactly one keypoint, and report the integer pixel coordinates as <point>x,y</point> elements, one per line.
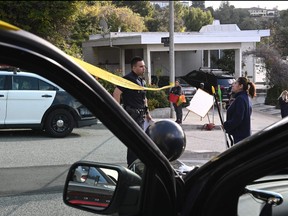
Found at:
<point>282,5</point>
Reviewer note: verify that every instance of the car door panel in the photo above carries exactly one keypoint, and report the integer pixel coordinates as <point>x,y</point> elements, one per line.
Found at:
<point>27,107</point>
<point>3,106</point>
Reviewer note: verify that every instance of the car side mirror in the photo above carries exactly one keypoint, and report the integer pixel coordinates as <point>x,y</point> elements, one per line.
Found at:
<point>270,197</point>
<point>102,188</point>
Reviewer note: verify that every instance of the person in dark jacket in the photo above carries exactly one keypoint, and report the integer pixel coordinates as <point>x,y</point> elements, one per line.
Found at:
<point>283,102</point>
<point>238,120</point>
<point>177,90</point>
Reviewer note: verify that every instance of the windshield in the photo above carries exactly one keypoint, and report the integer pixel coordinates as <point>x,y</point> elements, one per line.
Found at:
<point>225,82</point>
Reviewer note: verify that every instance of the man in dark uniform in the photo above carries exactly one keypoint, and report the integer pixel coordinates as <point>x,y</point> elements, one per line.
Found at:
<point>134,101</point>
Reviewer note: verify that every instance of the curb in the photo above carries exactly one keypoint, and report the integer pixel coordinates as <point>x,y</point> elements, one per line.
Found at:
<point>197,158</point>
<point>199,127</point>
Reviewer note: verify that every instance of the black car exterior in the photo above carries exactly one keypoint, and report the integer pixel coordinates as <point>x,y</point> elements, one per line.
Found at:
<point>210,78</point>
<point>196,77</point>
<point>212,189</point>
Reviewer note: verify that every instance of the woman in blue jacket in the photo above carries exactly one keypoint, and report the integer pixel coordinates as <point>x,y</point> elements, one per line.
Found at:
<point>238,121</point>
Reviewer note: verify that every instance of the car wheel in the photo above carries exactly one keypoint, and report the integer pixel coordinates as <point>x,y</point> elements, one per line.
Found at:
<point>59,123</point>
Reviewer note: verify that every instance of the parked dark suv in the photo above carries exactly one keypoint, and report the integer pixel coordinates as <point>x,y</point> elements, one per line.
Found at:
<point>211,78</point>
<point>225,82</point>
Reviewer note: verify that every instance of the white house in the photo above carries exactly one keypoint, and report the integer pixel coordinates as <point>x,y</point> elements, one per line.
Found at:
<point>193,50</point>
<point>263,12</point>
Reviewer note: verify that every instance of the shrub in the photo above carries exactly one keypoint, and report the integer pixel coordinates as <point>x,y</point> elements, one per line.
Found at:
<point>107,85</point>
<point>157,99</point>
<point>272,96</point>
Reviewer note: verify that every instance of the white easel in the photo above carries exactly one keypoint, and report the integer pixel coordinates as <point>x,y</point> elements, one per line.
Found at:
<point>200,104</point>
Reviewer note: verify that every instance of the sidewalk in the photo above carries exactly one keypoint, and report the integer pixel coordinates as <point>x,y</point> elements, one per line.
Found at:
<point>202,144</point>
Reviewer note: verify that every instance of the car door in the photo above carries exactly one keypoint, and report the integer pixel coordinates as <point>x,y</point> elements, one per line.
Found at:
<point>212,189</point>
<point>3,99</point>
<point>222,182</point>
<point>160,188</point>
<point>26,104</point>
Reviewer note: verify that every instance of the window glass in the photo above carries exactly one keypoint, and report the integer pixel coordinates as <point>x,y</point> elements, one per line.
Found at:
<point>34,164</point>
<point>46,86</point>
<point>225,82</point>
<point>24,83</point>
<point>2,81</point>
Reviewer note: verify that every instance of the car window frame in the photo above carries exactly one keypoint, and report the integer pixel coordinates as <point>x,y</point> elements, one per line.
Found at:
<point>157,164</point>
<point>211,183</point>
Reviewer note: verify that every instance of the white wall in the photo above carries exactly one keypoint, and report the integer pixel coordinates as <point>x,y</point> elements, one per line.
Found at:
<point>160,61</point>
<point>186,61</point>
<point>89,54</point>
<point>249,61</point>
<point>108,55</point>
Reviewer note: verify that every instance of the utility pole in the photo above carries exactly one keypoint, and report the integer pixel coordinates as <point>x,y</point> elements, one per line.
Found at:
<point>171,49</point>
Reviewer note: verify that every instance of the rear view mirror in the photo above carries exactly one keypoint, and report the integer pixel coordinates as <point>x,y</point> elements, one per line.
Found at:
<point>101,188</point>
<point>91,186</point>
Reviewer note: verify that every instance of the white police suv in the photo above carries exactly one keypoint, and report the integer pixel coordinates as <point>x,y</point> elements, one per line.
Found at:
<point>28,100</point>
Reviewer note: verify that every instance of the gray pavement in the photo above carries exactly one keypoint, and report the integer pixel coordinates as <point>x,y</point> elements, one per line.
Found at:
<point>202,144</point>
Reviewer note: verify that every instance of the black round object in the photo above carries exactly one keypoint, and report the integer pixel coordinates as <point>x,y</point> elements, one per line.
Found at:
<point>169,137</point>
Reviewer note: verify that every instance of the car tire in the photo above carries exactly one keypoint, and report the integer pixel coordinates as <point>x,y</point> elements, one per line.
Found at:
<point>59,123</point>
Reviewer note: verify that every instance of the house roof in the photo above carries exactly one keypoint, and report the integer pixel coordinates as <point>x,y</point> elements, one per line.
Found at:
<point>217,27</point>
<point>215,33</point>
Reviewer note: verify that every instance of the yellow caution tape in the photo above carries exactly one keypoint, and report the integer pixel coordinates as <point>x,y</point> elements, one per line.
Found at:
<point>117,80</point>
<point>7,26</point>
<point>98,72</point>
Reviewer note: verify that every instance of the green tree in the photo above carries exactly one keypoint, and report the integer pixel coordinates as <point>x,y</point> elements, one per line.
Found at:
<point>211,9</point>
<point>228,14</point>
<point>280,38</point>
<point>180,11</point>
<point>143,8</point>
<point>51,20</point>
<point>240,15</point>
<point>276,71</point>
<point>90,15</point>
<point>154,25</point>
<point>66,24</point>
<point>159,22</point>
<point>248,23</point>
<point>98,3</point>
<point>224,12</point>
<point>86,24</point>
<point>195,18</point>
<point>123,18</point>
<point>227,61</point>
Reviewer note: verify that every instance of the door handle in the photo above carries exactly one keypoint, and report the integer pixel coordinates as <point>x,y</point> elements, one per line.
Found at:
<point>1,95</point>
<point>46,96</point>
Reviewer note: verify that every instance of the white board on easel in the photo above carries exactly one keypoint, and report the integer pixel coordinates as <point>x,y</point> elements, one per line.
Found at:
<point>201,103</point>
